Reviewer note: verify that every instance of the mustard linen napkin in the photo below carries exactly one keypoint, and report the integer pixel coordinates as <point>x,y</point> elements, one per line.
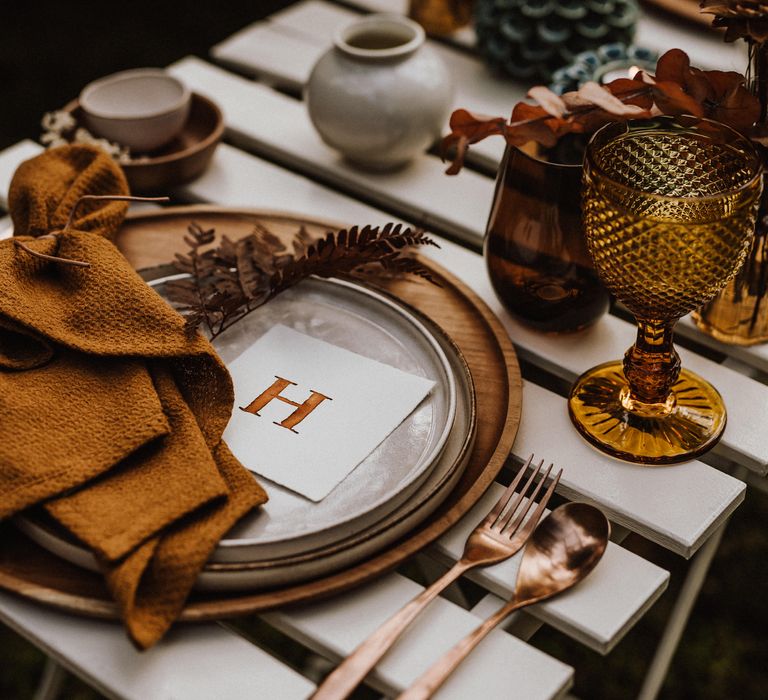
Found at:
<point>110,413</point>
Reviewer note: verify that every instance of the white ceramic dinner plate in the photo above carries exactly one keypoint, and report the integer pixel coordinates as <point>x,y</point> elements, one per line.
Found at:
<point>407,469</point>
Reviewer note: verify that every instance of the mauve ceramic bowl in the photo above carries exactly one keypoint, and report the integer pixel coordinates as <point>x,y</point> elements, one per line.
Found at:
<point>142,109</point>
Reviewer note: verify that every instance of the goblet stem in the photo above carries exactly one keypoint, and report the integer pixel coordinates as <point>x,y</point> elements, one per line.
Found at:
<point>651,365</point>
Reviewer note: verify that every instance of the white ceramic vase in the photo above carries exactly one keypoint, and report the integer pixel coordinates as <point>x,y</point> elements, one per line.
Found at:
<point>380,95</point>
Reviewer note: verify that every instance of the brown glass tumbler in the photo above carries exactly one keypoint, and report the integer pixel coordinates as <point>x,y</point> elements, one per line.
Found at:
<point>535,248</point>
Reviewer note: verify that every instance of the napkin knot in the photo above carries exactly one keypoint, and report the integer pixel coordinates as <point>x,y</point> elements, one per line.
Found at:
<point>45,192</point>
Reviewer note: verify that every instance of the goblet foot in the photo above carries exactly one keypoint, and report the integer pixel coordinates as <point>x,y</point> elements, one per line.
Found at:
<point>689,423</point>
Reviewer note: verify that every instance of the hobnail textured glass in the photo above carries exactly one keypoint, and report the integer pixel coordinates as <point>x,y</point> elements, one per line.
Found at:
<point>669,212</point>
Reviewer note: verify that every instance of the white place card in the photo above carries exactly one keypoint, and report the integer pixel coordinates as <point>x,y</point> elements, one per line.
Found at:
<point>307,412</point>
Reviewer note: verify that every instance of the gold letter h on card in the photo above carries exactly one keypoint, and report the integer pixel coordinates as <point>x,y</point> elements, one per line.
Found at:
<point>302,409</point>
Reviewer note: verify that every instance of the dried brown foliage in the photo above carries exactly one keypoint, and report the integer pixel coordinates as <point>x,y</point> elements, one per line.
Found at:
<point>742,19</point>
<point>676,88</point>
<point>226,282</point>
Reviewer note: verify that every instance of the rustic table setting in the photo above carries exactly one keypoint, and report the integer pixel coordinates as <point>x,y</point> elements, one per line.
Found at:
<point>273,169</point>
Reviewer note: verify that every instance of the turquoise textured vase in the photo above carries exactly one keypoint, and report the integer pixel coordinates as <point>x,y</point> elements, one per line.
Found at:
<point>530,39</point>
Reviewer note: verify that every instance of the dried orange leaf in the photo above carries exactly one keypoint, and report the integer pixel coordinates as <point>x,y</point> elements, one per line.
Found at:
<point>633,91</point>
<point>676,89</point>
<point>672,99</point>
<point>730,101</point>
<point>599,96</point>
<point>468,128</point>
<point>675,67</point>
<point>549,101</point>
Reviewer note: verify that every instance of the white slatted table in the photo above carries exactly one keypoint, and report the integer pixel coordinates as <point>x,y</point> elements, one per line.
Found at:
<point>274,159</point>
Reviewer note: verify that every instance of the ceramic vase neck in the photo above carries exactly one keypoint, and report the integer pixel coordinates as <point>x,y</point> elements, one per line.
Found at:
<point>380,38</point>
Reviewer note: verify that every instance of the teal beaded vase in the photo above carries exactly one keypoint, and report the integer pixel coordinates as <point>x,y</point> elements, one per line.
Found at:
<point>530,39</point>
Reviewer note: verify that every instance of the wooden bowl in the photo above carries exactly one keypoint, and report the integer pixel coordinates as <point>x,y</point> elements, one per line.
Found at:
<point>181,160</point>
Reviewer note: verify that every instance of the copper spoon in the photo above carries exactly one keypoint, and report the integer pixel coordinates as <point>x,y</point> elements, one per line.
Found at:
<point>563,549</point>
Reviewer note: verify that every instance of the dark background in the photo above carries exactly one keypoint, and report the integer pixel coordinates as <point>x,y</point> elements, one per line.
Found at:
<point>50,50</point>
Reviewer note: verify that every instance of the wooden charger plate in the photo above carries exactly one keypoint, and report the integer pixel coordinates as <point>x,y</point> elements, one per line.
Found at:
<point>151,239</point>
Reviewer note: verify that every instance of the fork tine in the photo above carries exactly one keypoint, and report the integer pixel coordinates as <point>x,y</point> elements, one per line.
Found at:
<point>503,516</point>
<point>512,527</point>
<point>534,519</point>
<point>504,499</point>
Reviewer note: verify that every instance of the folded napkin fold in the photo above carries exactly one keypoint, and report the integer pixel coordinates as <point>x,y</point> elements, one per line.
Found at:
<point>111,415</point>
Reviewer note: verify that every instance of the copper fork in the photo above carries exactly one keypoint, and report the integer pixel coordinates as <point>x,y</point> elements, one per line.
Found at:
<point>500,535</point>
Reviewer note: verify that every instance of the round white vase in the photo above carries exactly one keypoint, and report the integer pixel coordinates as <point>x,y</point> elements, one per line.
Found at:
<point>380,95</point>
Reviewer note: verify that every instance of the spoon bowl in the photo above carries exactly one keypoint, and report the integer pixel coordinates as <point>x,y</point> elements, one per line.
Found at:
<point>563,549</point>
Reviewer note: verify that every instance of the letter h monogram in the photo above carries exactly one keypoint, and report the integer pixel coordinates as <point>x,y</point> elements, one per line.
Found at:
<point>302,409</point>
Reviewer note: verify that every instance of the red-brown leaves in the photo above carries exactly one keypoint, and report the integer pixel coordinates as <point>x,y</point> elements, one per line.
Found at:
<point>677,88</point>
<point>468,128</point>
<point>226,282</point>
<point>730,101</point>
<point>719,95</point>
<point>742,19</point>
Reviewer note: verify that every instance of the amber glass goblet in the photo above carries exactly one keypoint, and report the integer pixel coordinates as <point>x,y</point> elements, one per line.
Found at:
<point>669,213</point>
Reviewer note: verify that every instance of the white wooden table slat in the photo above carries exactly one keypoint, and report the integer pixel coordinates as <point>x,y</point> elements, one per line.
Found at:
<point>318,18</point>
<point>194,662</point>
<point>271,53</point>
<point>755,355</point>
<point>677,507</point>
<point>273,124</point>
<point>286,46</point>
<point>618,487</point>
<point>236,178</point>
<point>464,37</point>
<point>655,31</point>
<point>520,623</point>
<point>502,667</point>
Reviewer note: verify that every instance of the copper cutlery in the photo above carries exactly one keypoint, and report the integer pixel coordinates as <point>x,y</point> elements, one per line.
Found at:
<point>500,535</point>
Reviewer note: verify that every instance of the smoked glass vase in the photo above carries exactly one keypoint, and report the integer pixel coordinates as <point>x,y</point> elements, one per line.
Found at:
<point>535,248</point>
<point>739,313</point>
